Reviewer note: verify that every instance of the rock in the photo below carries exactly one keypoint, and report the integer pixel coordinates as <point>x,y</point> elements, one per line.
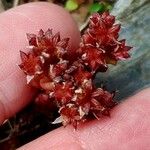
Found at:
<point>132,75</point>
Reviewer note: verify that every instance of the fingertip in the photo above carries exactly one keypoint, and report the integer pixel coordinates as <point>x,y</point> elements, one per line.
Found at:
<point>31,17</point>
<point>15,23</point>
<point>127,127</point>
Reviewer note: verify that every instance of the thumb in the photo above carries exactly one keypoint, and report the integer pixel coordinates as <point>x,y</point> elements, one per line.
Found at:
<point>126,129</point>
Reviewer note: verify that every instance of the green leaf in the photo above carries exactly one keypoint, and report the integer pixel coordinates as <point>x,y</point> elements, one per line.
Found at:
<point>108,7</point>
<point>71,5</point>
<point>96,7</point>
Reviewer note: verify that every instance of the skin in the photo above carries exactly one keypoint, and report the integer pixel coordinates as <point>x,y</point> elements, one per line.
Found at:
<point>128,127</point>
<point>14,24</point>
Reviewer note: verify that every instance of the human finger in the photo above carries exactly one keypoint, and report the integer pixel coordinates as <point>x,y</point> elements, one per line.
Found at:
<point>127,128</point>
<point>14,24</point>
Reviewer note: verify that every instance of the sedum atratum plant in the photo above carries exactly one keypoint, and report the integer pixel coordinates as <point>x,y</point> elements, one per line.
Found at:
<point>66,78</point>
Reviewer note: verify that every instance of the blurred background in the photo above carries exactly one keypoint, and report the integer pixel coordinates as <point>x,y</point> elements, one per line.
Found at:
<point>79,9</point>
<point>127,77</point>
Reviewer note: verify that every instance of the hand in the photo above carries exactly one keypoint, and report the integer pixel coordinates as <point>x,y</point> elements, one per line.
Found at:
<point>128,128</point>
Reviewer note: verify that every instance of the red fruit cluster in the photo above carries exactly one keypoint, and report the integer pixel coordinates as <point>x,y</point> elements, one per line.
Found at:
<point>66,78</point>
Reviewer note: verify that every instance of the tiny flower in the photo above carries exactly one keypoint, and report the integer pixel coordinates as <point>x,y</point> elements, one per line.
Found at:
<point>80,75</point>
<point>108,19</point>
<point>70,115</point>
<point>30,63</point>
<point>104,97</point>
<point>121,51</point>
<point>48,45</point>
<point>58,69</point>
<point>94,58</point>
<point>32,39</point>
<point>102,30</point>
<point>63,92</point>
